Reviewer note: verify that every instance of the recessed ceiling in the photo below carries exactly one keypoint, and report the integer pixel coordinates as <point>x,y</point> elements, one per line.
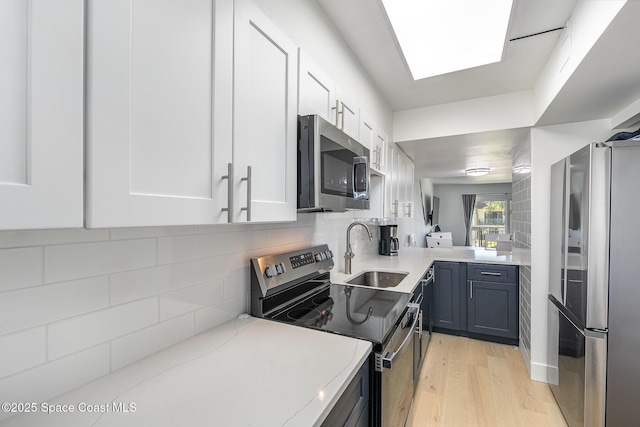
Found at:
<point>444,160</point>
<point>365,28</point>
<point>605,82</point>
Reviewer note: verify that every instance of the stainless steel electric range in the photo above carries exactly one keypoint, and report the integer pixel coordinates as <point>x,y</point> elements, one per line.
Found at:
<point>294,287</point>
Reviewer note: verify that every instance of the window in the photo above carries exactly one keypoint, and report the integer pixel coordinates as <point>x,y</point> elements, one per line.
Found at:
<point>492,214</point>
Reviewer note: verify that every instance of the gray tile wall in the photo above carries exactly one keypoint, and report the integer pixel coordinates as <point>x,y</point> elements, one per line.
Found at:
<point>521,224</point>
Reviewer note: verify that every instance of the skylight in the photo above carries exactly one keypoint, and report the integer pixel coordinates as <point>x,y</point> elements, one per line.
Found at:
<point>442,36</point>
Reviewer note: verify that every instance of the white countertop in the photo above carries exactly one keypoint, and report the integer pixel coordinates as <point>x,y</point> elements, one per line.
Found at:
<point>250,372</point>
<point>416,261</point>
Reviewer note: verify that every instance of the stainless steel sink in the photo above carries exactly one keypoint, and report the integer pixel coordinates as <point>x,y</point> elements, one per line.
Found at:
<point>378,279</point>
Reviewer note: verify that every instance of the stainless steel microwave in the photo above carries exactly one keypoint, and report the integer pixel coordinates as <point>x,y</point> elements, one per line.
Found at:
<point>333,168</point>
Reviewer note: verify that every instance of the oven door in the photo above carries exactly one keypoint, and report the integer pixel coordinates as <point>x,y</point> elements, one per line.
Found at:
<point>396,364</point>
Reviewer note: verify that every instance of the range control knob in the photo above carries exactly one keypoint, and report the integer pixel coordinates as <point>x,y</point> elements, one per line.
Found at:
<point>328,254</point>
<point>280,268</point>
<point>270,271</point>
<point>317,257</point>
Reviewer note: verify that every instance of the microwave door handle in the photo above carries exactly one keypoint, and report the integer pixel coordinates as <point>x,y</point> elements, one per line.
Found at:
<point>363,162</point>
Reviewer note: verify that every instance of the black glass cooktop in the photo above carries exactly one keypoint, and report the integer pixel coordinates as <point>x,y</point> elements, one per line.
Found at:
<point>367,314</point>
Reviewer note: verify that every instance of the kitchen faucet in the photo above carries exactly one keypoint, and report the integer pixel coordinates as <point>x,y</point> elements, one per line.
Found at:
<point>349,253</point>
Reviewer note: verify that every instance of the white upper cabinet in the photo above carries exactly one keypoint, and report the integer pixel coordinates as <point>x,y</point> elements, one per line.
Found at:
<point>378,150</point>
<point>317,91</point>
<point>391,188</point>
<point>347,114</point>
<point>41,111</point>
<point>372,137</point>
<point>367,136</point>
<point>265,118</point>
<point>158,111</point>
<point>398,198</point>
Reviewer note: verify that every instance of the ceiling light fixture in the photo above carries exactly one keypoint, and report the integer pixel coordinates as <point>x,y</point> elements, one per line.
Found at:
<point>438,37</point>
<point>477,171</point>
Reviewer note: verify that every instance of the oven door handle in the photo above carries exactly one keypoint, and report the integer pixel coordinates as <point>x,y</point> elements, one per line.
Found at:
<point>386,357</point>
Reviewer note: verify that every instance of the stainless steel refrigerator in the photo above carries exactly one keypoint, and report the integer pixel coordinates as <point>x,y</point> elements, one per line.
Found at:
<point>594,285</point>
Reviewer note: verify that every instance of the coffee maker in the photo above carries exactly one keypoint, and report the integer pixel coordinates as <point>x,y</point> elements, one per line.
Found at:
<point>388,244</point>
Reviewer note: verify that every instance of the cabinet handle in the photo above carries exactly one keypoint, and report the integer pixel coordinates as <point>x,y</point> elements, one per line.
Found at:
<point>338,113</point>
<point>378,157</point>
<point>470,289</point>
<point>248,179</point>
<point>394,211</point>
<point>490,273</point>
<point>408,210</point>
<point>229,178</point>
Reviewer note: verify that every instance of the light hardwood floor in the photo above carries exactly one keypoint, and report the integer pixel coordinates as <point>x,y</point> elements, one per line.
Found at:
<point>466,382</point>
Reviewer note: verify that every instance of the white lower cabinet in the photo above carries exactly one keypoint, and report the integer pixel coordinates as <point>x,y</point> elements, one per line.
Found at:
<point>41,114</point>
<point>165,122</point>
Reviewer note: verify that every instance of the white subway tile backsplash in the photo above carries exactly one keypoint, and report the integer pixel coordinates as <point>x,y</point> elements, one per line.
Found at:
<point>75,304</point>
<point>211,316</point>
<point>137,284</point>
<point>176,249</point>
<point>147,232</point>
<point>18,239</point>
<point>208,245</point>
<point>47,381</point>
<point>68,262</point>
<point>236,285</point>
<point>30,307</point>
<point>182,301</point>
<point>22,350</point>
<point>282,236</point>
<point>142,343</point>
<point>20,268</point>
<point>208,269</point>
<point>81,332</point>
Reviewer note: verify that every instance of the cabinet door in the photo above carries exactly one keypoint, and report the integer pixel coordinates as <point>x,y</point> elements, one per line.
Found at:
<point>408,188</point>
<point>367,138</point>
<point>348,118</point>
<point>401,182</point>
<point>265,118</point>
<point>492,308</point>
<point>390,193</point>
<point>41,113</point>
<point>158,111</point>
<point>380,144</point>
<point>446,296</point>
<point>317,90</point>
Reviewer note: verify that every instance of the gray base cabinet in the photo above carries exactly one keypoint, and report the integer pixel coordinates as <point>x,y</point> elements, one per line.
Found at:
<point>492,309</point>
<point>352,410</point>
<point>476,300</point>
<point>446,295</point>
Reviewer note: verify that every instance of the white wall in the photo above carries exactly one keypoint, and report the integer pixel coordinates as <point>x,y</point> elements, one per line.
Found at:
<point>420,229</point>
<point>451,216</point>
<point>548,145</point>
<point>509,111</point>
<point>589,20</point>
